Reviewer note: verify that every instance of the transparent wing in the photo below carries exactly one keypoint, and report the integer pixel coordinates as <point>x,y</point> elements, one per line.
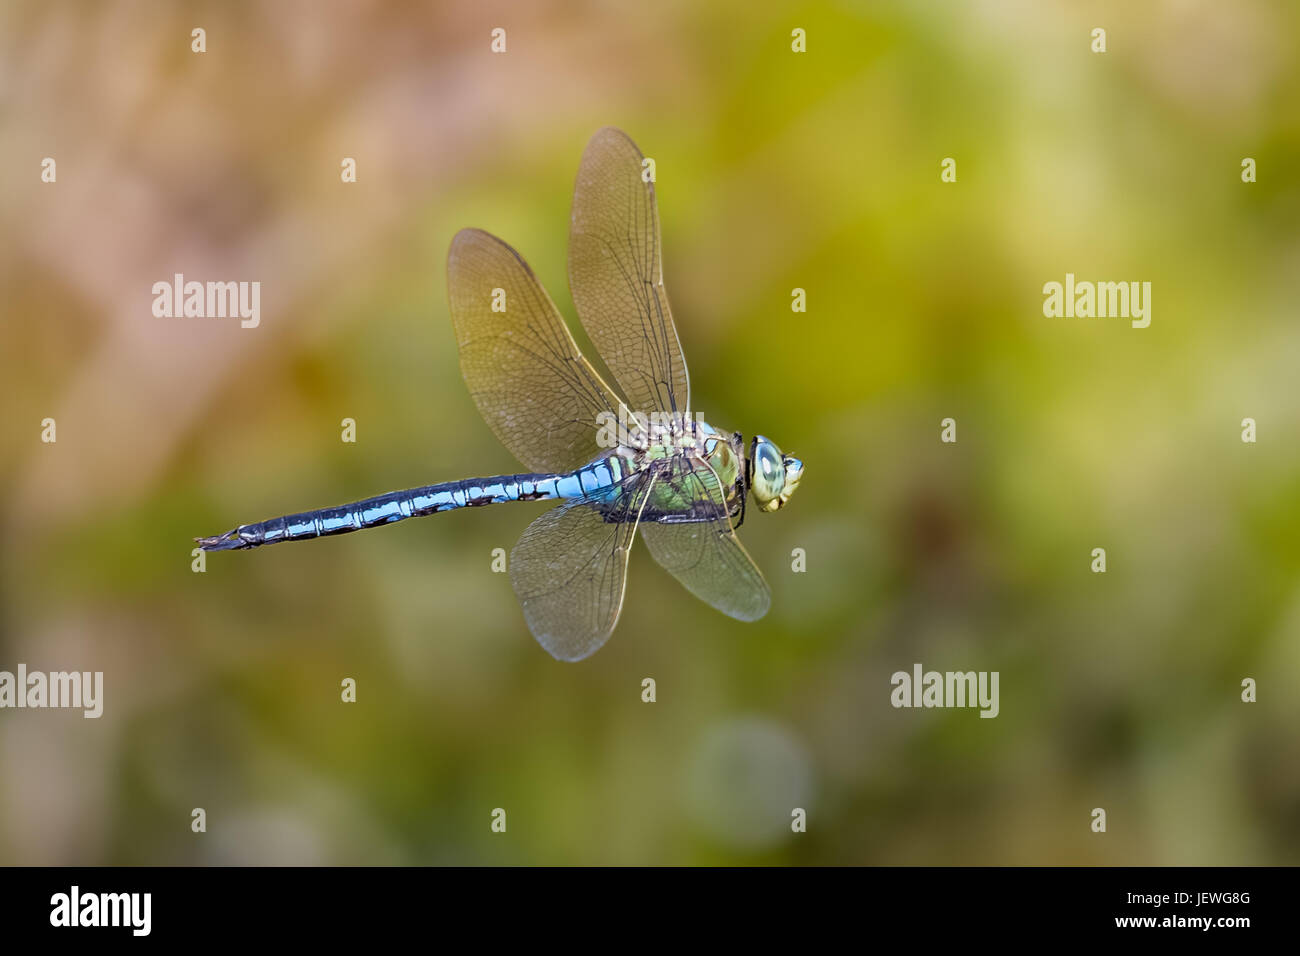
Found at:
<point>569,568</point>
<point>531,384</point>
<point>616,275</point>
<point>703,552</point>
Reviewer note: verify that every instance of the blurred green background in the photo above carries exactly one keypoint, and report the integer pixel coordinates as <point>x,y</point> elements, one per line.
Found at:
<point>776,170</point>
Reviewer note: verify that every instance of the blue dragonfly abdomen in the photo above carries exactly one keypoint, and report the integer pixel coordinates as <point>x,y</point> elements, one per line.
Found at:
<point>588,482</point>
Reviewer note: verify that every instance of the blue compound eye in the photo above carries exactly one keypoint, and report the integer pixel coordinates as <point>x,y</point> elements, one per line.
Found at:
<point>767,476</point>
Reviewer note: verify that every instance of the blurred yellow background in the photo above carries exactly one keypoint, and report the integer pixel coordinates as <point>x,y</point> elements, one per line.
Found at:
<point>775,170</point>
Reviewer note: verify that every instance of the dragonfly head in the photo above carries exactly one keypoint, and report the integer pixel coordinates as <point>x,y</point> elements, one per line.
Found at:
<point>773,477</point>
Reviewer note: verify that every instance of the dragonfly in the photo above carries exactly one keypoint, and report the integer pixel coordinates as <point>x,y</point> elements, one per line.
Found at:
<point>618,461</point>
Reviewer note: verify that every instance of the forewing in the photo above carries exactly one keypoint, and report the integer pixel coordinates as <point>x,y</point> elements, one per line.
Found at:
<point>704,554</point>
<point>569,569</point>
<point>616,275</point>
<point>532,386</point>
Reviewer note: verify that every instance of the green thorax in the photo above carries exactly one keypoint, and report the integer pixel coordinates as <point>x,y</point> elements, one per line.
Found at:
<point>707,456</point>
